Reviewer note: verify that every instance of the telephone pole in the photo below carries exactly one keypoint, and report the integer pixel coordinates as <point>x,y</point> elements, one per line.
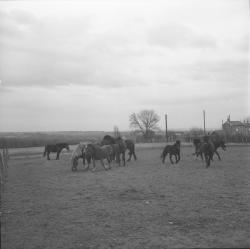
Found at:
<point>166,123</point>
<point>204,122</point>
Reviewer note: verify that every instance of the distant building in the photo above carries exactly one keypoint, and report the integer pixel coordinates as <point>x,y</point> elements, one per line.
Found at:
<point>236,128</point>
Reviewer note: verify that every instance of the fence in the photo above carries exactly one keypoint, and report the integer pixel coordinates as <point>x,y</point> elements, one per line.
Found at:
<point>4,157</point>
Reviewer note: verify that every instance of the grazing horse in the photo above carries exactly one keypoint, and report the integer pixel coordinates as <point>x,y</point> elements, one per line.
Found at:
<point>172,150</point>
<point>96,152</point>
<point>57,148</point>
<point>79,152</point>
<point>215,145</point>
<point>118,150</point>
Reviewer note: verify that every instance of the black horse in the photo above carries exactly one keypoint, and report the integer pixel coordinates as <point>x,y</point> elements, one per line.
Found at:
<point>119,147</point>
<point>215,145</point>
<point>56,148</point>
<point>172,150</point>
<point>206,148</point>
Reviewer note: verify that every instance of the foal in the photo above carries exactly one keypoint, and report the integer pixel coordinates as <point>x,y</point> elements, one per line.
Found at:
<point>172,150</point>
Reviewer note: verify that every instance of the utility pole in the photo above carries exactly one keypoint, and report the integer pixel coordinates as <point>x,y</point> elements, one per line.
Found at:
<point>166,123</point>
<point>204,122</point>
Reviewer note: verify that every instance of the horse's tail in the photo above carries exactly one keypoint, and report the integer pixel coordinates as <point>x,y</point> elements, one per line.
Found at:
<point>164,152</point>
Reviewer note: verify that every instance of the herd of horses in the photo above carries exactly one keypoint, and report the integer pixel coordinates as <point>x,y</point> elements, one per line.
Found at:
<point>114,149</point>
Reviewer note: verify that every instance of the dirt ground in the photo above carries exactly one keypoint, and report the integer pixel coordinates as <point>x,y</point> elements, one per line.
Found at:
<point>143,205</point>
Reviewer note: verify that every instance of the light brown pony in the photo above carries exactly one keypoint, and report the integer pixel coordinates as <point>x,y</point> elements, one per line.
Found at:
<point>97,152</point>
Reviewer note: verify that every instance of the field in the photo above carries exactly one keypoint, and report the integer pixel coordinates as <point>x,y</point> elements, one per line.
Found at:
<point>143,205</point>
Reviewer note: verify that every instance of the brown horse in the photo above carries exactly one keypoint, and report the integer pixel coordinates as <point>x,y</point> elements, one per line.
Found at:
<point>96,152</point>
<point>57,148</point>
<point>125,144</point>
<point>119,147</point>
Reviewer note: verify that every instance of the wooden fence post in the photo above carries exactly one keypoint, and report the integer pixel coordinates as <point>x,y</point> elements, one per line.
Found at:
<point>4,157</point>
<point>1,168</point>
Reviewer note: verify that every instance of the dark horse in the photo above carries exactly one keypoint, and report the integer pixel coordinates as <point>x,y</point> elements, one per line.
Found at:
<point>118,145</point>
<point>207,149</point>
<point>57,148</point>
<point>215,145</point>
<point>172,150</point>
<point>130,145</point>
<point>131,149</point>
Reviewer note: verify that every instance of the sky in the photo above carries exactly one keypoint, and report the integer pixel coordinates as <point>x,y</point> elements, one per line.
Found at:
<point>88,65</point>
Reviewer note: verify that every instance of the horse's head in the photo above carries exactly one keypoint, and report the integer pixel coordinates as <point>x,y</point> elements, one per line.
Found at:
<point>178,143</point>
<point>89,150</point>
<point>67,147</point>
<point>196,141</point>
<point>223,145</point>
<point>206,139</point>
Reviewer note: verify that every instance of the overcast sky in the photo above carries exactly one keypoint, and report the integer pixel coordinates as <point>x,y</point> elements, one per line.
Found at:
<point>88,65</point>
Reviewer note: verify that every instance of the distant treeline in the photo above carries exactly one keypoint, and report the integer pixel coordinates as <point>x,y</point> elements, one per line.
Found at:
<point>21,140</point>
<point>38,139</point>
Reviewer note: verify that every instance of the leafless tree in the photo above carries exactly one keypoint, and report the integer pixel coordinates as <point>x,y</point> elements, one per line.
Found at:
<point>145,121</point>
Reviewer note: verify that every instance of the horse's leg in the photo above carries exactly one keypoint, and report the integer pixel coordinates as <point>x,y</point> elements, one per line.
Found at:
<point>123,158</point>
<point>88,161</point>
<point>130,155</point>
<point>57,155</point>
<point>93,169</point>
<point>109,161</point>
<point>170,157</point>
<point>135,157</point>
<point>103,165</point>
<point>83,160</point>
<point>179,156</point>
<point>176,159</point>
<point>118,159</point>
<point>207,157</point>
<point>201,155</point>
<point>74,166</point>
<point>163,157</point>
<point>218,155</point>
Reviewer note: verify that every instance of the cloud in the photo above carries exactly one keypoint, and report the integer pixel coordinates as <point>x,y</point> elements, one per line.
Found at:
<point>179,36</point>
<point>225,72</point>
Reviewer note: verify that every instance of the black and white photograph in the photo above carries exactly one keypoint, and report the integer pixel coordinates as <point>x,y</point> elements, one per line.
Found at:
<point>124,124</point>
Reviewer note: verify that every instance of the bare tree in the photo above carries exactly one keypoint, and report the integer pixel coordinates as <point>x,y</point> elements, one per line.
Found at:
<point>146,122</point>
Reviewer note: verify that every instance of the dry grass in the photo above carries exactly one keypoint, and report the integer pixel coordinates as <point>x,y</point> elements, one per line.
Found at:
<point>143,205</point>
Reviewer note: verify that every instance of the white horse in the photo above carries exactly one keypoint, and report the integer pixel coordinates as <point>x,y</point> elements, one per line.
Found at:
<point>79,152</point>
